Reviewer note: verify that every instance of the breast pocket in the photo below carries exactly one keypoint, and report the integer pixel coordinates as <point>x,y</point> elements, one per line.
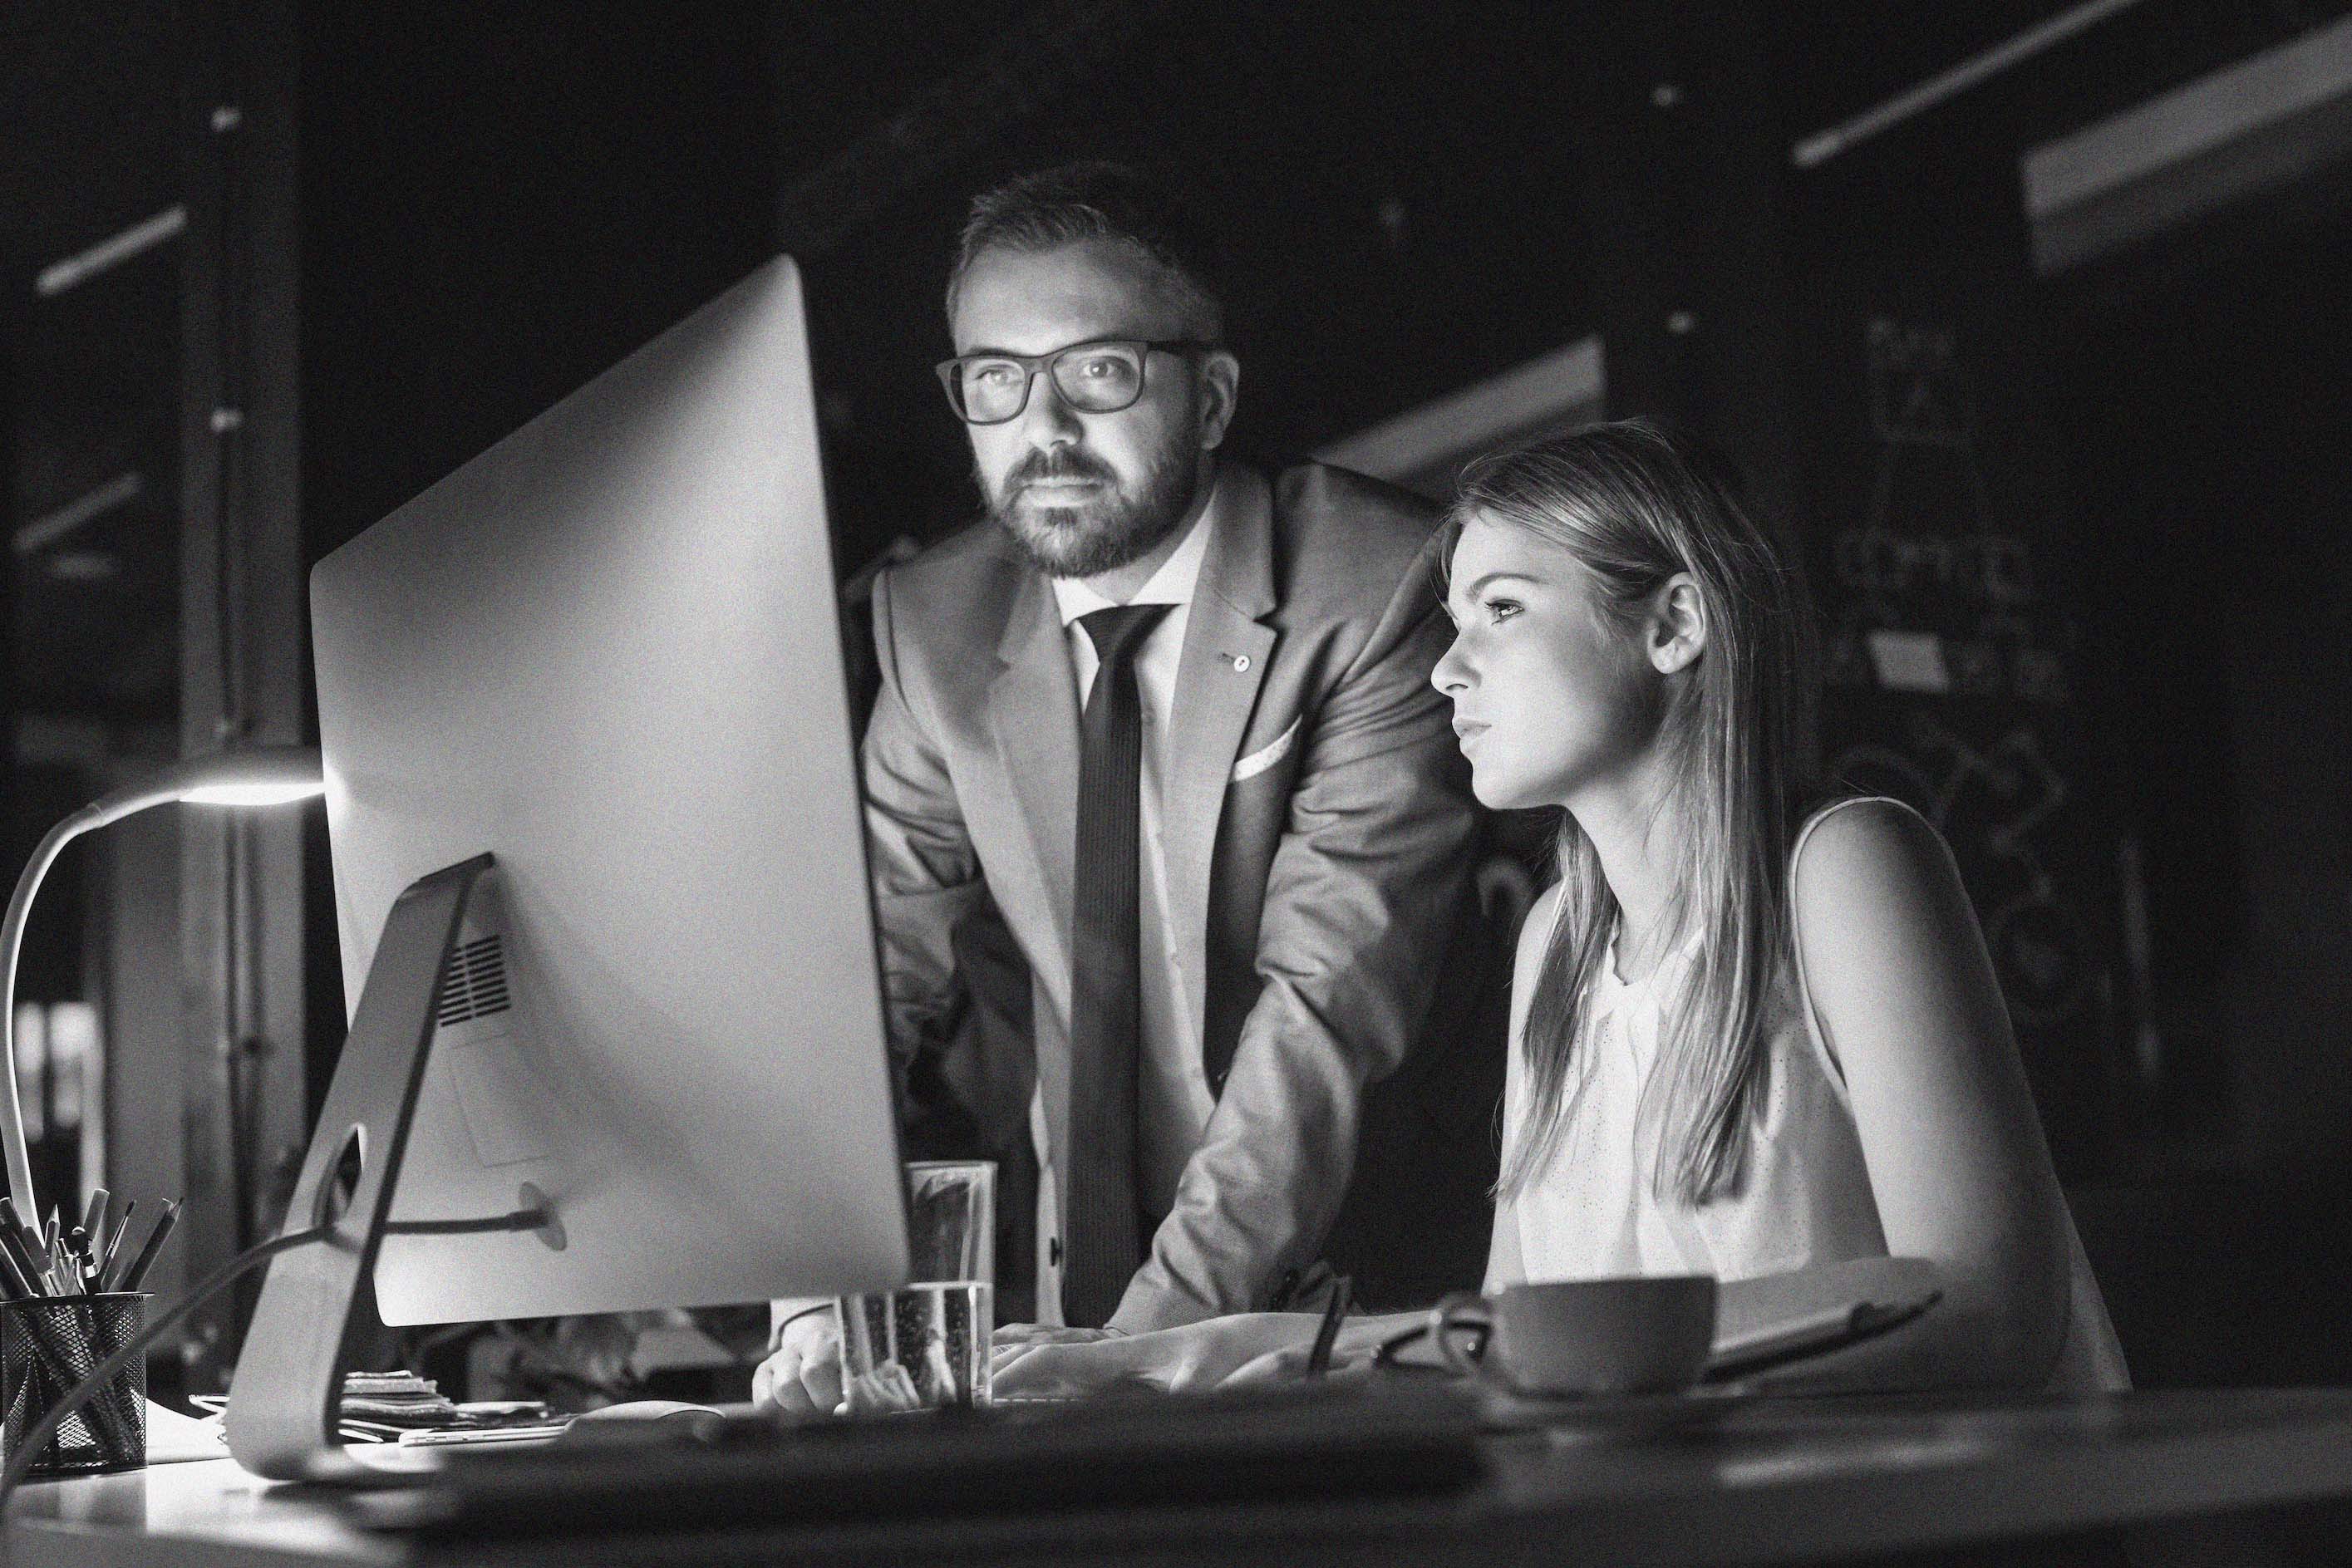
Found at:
<point>1266,758</point>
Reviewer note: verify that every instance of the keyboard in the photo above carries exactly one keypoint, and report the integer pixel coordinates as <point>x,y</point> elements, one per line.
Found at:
<point>1404,1437</point>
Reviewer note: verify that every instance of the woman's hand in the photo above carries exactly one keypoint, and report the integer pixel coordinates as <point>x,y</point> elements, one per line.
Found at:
<point>1190,1359</point>
<point>1352,1353</point>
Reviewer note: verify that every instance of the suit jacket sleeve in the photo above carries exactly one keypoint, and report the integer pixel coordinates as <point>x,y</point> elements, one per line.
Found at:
<point>926,874</point>
<point>1361,903</point>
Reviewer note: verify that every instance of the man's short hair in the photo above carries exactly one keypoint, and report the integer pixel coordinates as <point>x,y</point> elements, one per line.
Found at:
<point>1071,203</point>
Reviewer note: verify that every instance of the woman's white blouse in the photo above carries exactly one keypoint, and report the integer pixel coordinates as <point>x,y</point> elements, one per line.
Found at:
<point>1804,1197</point>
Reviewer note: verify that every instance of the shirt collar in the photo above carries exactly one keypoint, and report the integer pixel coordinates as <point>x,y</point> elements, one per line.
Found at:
<point>1666,972</point>
<point>1174,584</point>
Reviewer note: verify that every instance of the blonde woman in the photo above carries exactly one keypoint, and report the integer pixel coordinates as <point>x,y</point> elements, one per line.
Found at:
<point>1745,1042</point>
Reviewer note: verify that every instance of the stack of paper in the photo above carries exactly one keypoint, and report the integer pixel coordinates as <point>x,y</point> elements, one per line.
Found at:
<point>400,1400</point>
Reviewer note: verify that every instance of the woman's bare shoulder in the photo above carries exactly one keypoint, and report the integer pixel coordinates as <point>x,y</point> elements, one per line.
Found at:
<point>1862,850</point>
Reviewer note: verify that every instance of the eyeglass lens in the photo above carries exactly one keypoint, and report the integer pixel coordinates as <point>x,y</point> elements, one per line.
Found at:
<point>1094,378</point>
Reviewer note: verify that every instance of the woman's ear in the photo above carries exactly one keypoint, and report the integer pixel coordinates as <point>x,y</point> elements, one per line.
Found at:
<point>1676,634</point>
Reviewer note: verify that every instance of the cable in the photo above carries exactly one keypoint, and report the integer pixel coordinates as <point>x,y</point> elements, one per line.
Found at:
<point>244,1264</point>
<point>520,1219</point>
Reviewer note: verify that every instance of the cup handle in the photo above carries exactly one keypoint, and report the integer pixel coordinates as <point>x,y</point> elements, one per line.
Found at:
<point>1464,1309</point>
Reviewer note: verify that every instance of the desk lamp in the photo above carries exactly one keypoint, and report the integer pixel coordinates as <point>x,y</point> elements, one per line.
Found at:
<point>261,776</point>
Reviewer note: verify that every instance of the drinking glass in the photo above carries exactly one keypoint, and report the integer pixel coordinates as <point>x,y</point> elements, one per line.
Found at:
<point>925,1346</point>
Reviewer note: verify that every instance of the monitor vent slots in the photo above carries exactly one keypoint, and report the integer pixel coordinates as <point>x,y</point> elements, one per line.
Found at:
<point>476,985</point>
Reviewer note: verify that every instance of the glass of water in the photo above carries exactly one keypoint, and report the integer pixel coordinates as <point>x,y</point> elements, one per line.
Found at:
<point>925,1346</point>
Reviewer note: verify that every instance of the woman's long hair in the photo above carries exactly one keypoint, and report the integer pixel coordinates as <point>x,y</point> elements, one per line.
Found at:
<point>1636,505</point>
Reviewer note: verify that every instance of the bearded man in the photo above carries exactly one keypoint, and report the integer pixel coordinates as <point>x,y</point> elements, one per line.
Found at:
<point>1163,720</point>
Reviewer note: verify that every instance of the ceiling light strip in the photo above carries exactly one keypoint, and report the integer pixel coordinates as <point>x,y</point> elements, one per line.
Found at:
<point>1824,145</point>
<point>1550,389</point>
<point>58,276</point>
<point>2222,107</point>
<point>47,530</point>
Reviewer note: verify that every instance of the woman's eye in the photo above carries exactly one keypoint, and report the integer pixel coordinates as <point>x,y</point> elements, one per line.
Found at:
<point>1501,610</point>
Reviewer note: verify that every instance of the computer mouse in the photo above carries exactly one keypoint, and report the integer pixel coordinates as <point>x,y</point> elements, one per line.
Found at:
<point>636,1420</point>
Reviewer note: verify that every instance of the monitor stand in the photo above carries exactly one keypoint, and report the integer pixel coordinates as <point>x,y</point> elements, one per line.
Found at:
<point>282,1414</point>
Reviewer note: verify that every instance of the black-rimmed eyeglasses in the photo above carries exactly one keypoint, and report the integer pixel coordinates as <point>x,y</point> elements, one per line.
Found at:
<point>1093,378</point>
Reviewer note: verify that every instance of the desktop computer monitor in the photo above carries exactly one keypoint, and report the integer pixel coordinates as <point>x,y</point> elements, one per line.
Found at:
<point>607,652</point>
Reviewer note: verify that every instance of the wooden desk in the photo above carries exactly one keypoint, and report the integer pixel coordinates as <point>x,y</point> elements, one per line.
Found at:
<point>1746,1483</point>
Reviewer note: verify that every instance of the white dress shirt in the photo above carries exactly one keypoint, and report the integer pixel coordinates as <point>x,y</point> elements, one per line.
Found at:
<point>1173,1100</point>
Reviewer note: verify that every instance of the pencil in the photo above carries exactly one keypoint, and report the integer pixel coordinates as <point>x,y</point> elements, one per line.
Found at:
<point>148,1249</point>
<point>22,1248</point>
<point>11,1273</point>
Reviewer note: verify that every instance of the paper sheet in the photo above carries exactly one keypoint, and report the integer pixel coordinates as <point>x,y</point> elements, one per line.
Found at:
<point>173,1439</point>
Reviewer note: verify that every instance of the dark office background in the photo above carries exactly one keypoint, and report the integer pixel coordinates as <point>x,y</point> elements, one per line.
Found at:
<point>2143,757</point>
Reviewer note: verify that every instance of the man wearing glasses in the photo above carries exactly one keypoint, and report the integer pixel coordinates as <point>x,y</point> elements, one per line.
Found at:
<point>1165,719</point>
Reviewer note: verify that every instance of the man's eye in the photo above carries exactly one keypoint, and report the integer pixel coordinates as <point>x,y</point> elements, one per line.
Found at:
<point>1102,368</point>
<point>995,373</point>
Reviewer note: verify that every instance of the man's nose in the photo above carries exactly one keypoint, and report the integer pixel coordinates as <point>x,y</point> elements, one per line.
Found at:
<point>1049,420</point>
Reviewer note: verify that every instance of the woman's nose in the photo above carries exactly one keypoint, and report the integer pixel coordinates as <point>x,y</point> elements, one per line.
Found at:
<point>1451,674</point>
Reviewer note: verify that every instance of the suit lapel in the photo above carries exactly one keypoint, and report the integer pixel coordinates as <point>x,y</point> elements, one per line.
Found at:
<point>1225,654</point>
<point>1034,713</point>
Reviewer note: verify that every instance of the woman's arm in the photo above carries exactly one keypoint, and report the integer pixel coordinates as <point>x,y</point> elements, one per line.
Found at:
<point>1504,1266</point>
<point>1908,1003</point>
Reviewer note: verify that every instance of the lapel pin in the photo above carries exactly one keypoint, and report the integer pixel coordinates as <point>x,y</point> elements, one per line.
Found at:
<point>1241,662</point>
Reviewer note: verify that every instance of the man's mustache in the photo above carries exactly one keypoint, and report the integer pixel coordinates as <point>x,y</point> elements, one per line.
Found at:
<point>1058,463</point>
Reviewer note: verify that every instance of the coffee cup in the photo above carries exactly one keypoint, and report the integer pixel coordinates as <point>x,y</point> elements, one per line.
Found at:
<point>1646,1334</point>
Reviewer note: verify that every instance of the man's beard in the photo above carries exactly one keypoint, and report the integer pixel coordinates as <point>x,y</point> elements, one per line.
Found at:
<point>1107,529</point>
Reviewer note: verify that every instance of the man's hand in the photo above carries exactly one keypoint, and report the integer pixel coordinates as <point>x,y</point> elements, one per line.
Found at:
<point>1020,1334</point>
<point>1012,1340</point>
<point>1196,1357</point>
<point>802,1376</point>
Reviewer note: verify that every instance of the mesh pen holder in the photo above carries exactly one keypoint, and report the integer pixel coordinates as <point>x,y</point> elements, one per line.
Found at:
<point>47,1345</point>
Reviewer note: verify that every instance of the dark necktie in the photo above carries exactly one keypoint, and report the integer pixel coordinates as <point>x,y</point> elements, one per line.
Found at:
<point>1103,1245</point>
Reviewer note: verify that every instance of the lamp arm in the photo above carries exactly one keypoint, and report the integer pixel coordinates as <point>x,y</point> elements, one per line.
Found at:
<point>112,809</point>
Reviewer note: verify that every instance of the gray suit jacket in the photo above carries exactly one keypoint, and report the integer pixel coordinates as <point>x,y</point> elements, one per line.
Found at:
<point>1317,826</point>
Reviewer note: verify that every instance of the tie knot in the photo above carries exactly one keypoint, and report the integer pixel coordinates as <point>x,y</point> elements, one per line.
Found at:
<point>1117,631</point>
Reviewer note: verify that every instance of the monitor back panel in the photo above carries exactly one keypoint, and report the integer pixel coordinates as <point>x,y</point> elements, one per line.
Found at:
<point>607,651</point>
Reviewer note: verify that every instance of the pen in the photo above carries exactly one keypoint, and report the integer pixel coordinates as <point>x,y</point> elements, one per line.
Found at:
<point>148,1249</point>
<point>1318,1360</point>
